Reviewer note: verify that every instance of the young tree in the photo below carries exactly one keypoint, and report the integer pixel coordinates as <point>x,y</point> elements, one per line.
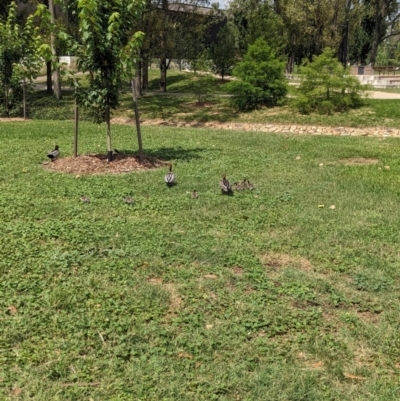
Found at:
<point>327,86</point>
<point>223,52</point>
<point>19,56</point>
<point>108,43</point>
<point>261,78</point>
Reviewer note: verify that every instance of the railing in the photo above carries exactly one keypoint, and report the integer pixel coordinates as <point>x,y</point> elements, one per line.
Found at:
<point>389,68</point>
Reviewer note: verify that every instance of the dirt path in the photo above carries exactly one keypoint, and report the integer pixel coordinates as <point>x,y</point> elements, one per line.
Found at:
<point>383,95</point>
<point>381,132</point>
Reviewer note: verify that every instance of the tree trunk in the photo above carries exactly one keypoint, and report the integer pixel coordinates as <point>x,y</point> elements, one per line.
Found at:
<point>375,40</point>
<point>56,72</point>
<point>48,80</point>
<point>6,101</point>
<point>145,73</point>
<point>138,78</point>
<point>163,48</point>
<point>76,129</point>
<point>163,74</point>
<point>108,123</point>
<point>290,63</point>
<point>24,98</point>
<point>137,119</point>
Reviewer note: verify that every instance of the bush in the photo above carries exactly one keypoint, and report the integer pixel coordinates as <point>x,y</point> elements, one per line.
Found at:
<point>261,79</point>
<point>202,86</point>
<point>327,86</point>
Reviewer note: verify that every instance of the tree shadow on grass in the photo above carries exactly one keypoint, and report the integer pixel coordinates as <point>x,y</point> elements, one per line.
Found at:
<point>186,108</point>
<point>174,83</point>
<point>176,153</point>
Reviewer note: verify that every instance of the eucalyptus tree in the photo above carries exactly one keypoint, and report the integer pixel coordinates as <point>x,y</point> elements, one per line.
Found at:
<point>173,30</point>
<point>385,16</point>
<point>108,44</point>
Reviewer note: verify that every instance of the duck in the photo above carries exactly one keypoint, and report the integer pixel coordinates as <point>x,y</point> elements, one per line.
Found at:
<point>195,194</point>
<point>128,200</point>
<point>53,155</point>
<point>85,199</point>
<point>170,177</point>
<point>225,185</point>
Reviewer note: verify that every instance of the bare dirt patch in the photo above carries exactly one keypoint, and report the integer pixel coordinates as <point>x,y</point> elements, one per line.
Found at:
<point>95,164</point>
<point>276,261</point>
<point>355,161</point>
<point>238,271</point>
<point>6,120</point>
<point>175,299</point>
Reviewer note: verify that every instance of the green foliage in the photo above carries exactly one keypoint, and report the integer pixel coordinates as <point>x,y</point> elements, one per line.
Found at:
<point>223,52</point>
<point>261,79</point>
<point>202,86</point>
<point>19,59</point>
<point>107,45</point>
<point>327,86</point>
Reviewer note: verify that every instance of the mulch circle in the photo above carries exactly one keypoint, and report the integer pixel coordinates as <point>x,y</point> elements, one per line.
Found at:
<point>95,164</point>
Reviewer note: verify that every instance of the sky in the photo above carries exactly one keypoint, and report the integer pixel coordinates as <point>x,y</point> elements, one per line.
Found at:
<point>223,4</point>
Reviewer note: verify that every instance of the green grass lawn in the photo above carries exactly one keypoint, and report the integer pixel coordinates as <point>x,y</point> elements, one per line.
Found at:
<point>263,295</point>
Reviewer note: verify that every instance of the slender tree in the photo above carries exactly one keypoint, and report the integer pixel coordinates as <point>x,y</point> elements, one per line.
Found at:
<point>107,43</point>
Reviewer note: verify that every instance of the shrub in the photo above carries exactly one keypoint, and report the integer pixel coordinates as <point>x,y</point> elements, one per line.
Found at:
<point>202,86</point>
<point>327,87</point>
<point>261,78</point>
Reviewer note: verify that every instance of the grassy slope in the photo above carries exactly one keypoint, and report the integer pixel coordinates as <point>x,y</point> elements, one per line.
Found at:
<point>185,107</point>
<point>303,296</point>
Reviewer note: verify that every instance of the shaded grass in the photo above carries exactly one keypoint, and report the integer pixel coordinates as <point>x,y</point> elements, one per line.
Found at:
<point>185,108</point>
<point>263,295</point>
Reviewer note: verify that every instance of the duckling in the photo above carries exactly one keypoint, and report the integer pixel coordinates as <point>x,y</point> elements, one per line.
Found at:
<point>249,185</point>
<point>195,194</point>
<point>128,200</point>
<point>85,199</point>
<point>170,177</point>
<point>225,185</point>
<point>53,155</point>
<point>239,186</point>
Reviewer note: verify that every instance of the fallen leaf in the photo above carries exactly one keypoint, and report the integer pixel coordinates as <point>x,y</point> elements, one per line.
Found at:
<point>185,355</point>
<point>301,354</point>
<point>353,377</point>
<point>155,280</point>
<point>198,364</point>
<point>16,391</point>
<point>397,365</point>
<point>12,310</point>
<point>210,276</point>
<point>317,365</point>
